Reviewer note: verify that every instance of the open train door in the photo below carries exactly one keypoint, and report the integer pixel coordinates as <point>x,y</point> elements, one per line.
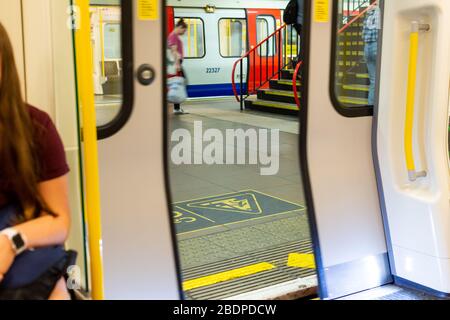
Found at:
<point>139,246</point>
<point>336,155</point>
<point>377,177</point>
<point>411,138</point>
<point>135,244</point>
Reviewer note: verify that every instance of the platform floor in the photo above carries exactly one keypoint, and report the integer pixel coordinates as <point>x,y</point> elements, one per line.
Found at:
<point>230,253</point>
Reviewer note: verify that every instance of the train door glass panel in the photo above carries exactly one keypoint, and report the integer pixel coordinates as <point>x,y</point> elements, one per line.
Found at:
<point>194,39</point>
<point>358,30</point>
<point>107,59</point>
<point>265,26</point>
<point>232,37</point>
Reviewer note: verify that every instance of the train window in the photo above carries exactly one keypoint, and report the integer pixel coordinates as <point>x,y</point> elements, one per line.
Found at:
<point>355,56</point>
<point>232,37</point>
<point>265,26</point>
<point>107,63</point>
<point>194,38</point>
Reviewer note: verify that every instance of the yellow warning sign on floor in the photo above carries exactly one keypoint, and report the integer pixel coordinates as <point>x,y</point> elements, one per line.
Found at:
<point>209,212</point>
<point>148,9</point>
<point>244,203</point>
<point>321,11</point>
<point>301,260</point>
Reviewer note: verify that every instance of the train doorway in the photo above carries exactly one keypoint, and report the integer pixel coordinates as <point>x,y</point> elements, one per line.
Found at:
<point>242,231</point>
<point>237,195</point>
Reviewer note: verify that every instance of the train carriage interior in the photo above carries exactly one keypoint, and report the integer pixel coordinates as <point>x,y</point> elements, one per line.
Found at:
<point>303,161</point>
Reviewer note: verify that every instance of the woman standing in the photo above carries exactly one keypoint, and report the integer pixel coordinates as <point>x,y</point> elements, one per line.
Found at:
<point>176,47</point>
<point>34,207</point>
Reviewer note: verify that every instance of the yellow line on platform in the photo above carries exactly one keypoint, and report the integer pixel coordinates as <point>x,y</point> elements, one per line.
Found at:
<point>227,276</point>
<point>301,260</point>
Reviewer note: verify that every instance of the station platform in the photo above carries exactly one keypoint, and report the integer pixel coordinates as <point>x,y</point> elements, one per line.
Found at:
<point>241,234</point>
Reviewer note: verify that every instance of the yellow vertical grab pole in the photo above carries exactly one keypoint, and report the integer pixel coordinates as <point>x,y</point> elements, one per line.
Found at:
<point>410,103</point>
<point>229,36</point>
<point>86,99</point>
<point>195,38</point>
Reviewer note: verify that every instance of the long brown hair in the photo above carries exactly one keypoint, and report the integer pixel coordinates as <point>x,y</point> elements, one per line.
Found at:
<point>19,164</point>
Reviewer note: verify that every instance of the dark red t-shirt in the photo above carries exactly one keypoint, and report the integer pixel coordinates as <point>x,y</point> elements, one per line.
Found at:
<point>51,153</point>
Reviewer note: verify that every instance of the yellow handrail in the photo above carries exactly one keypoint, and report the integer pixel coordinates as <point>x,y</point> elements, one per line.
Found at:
<point>410,103</point>
<point>196,38</point>
<point>86,99</point>
<point>229,36</point>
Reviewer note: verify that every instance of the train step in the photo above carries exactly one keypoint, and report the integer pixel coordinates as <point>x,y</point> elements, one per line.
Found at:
<point>271,106</point>
<point>283,85</point>
<point>277,95</point>
<point>355,90</point>
<point>351,44</point>
<point>287,74</point>
<point>350,54</point>
<point>352,101</point>
<point>351,35</point>
<point>351,66</point>
<point>348,78</point>
<point>356,79</point>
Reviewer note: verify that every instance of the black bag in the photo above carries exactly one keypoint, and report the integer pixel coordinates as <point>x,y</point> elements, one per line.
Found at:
<point>291,12</point>
<point>43,286</point>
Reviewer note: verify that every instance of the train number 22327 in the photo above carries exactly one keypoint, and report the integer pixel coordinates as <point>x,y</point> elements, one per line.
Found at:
<point>213,70</point>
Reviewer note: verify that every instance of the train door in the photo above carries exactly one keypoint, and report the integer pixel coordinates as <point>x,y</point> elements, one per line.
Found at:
<point>375,154</point>
<point>214,40</point>
<point>262,23</point>
<point>411,139</point>
<point>132,252</point>
<point>336,156</point>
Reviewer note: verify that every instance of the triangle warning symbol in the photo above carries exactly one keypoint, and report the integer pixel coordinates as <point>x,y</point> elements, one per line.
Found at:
<point>242,203</point>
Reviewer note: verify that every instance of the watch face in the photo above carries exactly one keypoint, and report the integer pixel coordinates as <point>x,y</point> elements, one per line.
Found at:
<point>18,242</point>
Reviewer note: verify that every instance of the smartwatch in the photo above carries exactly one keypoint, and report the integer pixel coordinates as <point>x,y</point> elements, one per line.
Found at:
<point>17,240</point>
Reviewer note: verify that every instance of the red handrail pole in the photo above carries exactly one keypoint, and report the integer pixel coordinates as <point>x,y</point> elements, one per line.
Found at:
<point>280,54</point>
<point>294,84</point>
<point>233,82</point>
<point>240,86</point>
<point>247,55</point>
<point>357,17</point>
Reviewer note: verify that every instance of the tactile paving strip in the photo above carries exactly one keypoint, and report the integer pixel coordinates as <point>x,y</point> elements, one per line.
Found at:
<point>242,241</point>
